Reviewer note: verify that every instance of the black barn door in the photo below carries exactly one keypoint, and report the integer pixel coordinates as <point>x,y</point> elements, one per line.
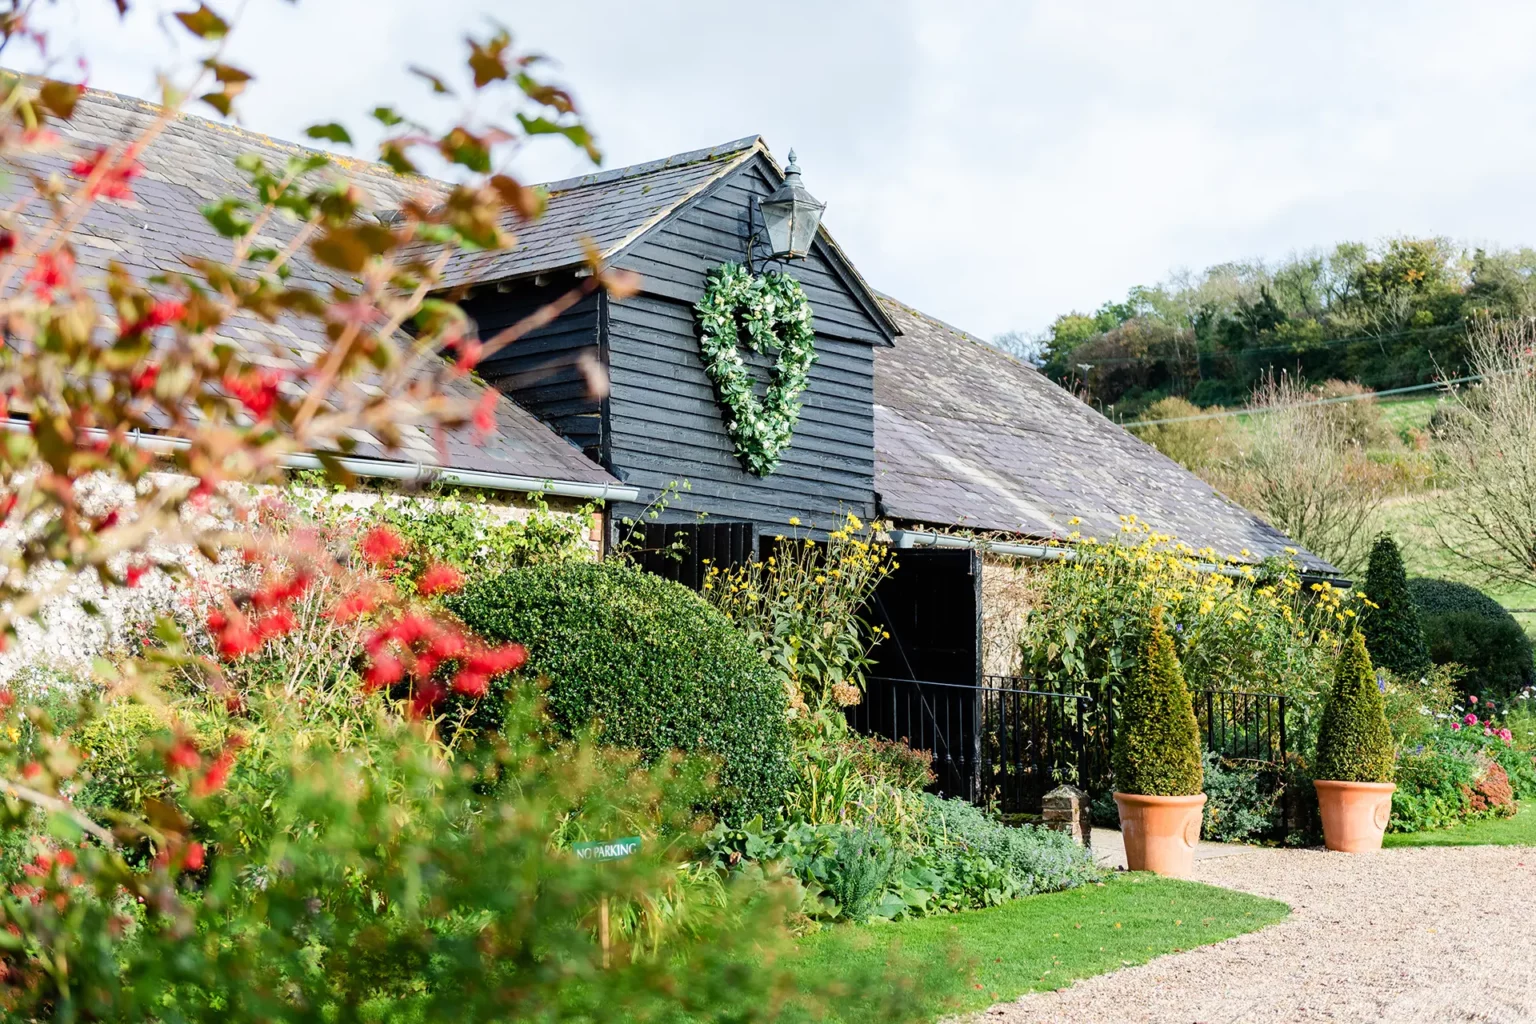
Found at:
<point>925,685</point>
<point>931,605</point>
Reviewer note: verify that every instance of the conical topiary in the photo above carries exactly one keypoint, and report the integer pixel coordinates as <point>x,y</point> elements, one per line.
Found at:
<point>1393,633</point>
<point>1157,741</point>
<point>1354,742</point>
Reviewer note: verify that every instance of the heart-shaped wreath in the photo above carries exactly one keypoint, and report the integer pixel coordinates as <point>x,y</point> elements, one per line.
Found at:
<point>776,315</point>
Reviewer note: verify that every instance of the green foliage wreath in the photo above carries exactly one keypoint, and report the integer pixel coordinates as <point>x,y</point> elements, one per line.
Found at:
<point>776,315</point>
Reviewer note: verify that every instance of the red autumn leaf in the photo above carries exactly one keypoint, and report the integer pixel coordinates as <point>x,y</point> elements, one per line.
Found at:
<point>381,546</point>
<point>440,578</point>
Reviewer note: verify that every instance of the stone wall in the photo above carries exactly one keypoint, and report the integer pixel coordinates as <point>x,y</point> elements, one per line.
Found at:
<point>90,620</point>
<point>1010,587</point>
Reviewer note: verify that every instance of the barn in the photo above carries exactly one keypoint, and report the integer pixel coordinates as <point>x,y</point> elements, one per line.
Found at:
<point>971,455</point>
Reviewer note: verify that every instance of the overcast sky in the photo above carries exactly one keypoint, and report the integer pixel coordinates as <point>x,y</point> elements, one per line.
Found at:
<point>991,164</point>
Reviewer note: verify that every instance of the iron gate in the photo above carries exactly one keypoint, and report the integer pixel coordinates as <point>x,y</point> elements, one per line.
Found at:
<point>1000,746</point>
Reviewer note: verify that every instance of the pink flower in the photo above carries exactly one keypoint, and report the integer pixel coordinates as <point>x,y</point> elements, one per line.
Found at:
<point>1472,699</point>
<point>1455,725</point>
<point>1471,719</point>
<point>1487,731</point>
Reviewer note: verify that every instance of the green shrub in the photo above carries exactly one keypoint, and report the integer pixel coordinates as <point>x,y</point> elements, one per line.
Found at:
<point>1417,706</point>
<point>1189,440</point>
<point>861,867</point>
<point>122,769</point>
<point>1393,635</point>
<point>384,871</point>
<point>1434,789</point>
<point>803,607</point>
<point>1259,629</point>
<point>1465,626</point>
<point>1038,859</point>
<point>1239,801</point>
<point>1354,741</point>
<point>1157,741</point>
<point>959,859</point>
<point>890,761</point>
<point>648,660</point>
<point>477,538</point>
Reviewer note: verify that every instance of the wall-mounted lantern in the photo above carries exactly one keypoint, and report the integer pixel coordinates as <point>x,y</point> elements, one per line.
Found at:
<point>791,216</point>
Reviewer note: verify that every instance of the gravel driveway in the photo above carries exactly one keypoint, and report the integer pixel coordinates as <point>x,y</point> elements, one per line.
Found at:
<point>1411,935</point>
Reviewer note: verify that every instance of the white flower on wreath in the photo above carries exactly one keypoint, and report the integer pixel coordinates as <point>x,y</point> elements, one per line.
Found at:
<point>776,315</point>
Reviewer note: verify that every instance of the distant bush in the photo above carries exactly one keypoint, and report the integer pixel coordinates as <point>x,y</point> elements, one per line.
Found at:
<point>122,767</point>
<point>1465,626</point>
<point>649,661</point>
<point>1356,412</point>
<point>1193,443</point>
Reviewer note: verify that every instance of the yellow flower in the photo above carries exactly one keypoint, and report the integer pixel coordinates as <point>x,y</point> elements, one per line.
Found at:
<point>794,520</point>
<point>1073,521</point>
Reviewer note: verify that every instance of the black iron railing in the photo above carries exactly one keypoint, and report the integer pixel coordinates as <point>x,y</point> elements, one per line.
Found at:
<point>1243,726</point>
<point>1003,746</point>
<point>1008,742</point>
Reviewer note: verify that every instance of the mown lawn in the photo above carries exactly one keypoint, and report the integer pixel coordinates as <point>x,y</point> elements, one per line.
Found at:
<point>1517,831</point>
<point>965,962</point>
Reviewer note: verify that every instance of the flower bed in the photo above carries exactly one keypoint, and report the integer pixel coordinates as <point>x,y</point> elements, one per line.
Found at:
<point>1467,766</point>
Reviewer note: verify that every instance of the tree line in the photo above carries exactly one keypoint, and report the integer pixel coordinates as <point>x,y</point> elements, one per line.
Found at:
<point>1389,314</point>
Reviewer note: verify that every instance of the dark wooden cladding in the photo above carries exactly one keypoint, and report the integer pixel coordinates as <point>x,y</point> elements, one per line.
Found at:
<point>665,422</point>
<point>675,255</point>
<point>661,423</point>
<point>542,371</point>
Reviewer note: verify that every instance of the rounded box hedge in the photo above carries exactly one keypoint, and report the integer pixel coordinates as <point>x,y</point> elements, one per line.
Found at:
<point>1466,626</point>
<point>655,665</point>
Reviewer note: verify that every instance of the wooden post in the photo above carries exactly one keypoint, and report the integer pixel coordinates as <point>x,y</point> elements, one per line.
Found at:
<point>602,931</point>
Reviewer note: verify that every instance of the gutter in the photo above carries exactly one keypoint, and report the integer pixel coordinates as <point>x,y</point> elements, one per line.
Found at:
<point>908,539</point>
<point>409,472</point>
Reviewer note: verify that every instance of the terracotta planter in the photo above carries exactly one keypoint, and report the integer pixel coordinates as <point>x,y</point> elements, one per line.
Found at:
<point>1160,832</point>
<point>1354,814</point>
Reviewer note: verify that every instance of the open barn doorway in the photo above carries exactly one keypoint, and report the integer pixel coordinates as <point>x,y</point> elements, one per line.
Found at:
<point>925,685</point>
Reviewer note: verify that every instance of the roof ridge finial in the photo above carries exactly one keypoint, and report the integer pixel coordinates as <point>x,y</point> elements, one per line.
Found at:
<point>793,170</point>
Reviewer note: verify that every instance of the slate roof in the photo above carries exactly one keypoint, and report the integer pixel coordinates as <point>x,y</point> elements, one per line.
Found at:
<point>191,163</point>
<point>968,436</point>
<point>611,208</point>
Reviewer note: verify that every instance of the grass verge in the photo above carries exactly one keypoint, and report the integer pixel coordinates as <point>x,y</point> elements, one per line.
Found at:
<point>1519,830</point>
<point>959,963</point>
